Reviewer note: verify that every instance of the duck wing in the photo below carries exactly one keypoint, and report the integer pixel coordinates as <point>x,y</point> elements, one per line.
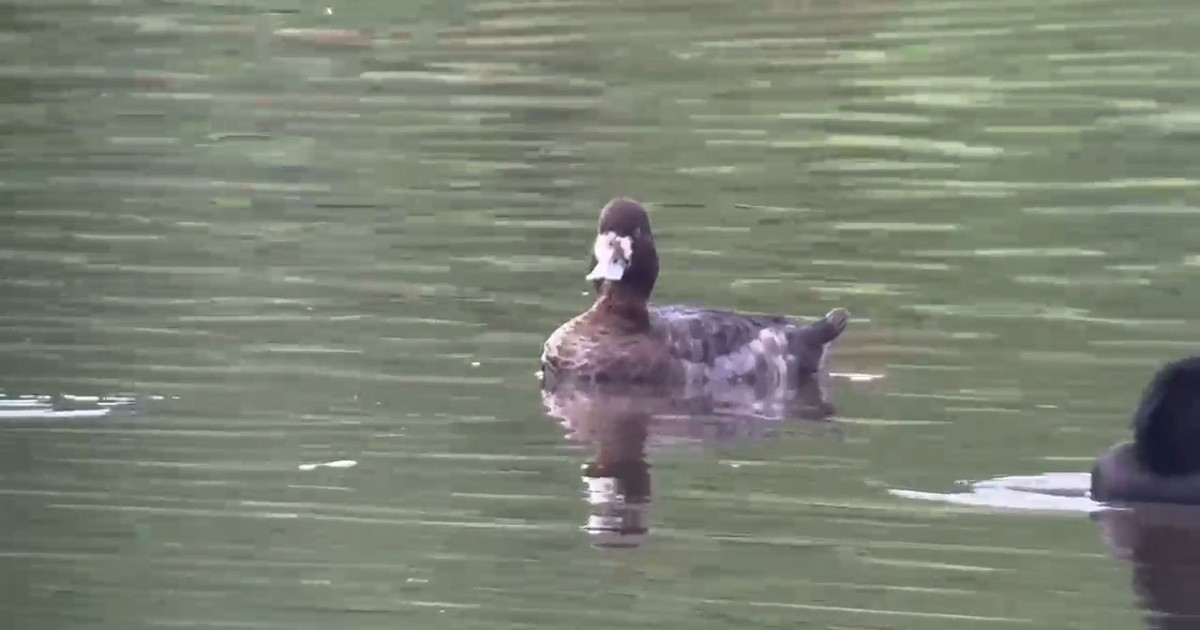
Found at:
<point>701,335</point>
<point>740,342</point>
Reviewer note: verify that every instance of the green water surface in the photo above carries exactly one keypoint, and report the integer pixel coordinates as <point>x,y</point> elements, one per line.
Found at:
<point>288,233</point>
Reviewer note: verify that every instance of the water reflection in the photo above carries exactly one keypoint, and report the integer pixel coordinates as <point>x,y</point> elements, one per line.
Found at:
<point>622,423</point>
<point>1161,542</point>
<point>1162,545</point>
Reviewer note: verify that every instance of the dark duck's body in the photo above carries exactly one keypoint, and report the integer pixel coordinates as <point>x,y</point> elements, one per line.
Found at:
<point>1162,463</point>
<point>622,338</point>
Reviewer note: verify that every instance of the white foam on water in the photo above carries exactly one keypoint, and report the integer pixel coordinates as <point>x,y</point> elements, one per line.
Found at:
<point>1050,492</point>
<point>857,377</point>
<point>51,407</point>
<point>340,463</point>
<point>12,414</point>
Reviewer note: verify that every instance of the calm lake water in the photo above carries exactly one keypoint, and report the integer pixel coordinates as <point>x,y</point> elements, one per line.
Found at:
<point>241,239</point>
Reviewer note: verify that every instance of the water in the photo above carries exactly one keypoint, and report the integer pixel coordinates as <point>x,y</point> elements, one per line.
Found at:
<point>268,236</point>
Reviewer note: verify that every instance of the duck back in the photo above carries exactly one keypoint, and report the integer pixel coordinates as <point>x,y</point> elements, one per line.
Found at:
<point>723,346</point>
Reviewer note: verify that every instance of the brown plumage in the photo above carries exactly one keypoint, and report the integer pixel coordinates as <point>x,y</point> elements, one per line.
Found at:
<point>621,338</point>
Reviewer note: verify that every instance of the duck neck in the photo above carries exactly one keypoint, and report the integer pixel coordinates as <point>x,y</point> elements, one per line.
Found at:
<point>623,304</point>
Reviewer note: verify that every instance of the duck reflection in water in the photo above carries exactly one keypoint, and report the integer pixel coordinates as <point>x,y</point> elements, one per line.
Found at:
<point>1161,542</point>
<point>622,421</point>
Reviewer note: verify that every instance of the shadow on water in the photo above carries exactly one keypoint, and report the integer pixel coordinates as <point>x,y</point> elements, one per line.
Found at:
<point>622,423</point>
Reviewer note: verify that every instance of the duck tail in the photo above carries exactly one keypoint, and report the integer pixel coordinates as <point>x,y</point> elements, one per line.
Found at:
<point>830,327</point>
<point>811,345</point>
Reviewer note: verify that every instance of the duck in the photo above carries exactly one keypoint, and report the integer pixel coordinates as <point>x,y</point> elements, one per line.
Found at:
<point>623,338</point>
<point>1162,462</point>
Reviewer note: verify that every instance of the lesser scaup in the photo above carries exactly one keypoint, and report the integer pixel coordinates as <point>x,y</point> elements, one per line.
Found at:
<point>622,338</point>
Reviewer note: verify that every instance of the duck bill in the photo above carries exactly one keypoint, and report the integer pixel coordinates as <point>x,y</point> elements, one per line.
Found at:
<point>611,253</point>
<point>611,270</point>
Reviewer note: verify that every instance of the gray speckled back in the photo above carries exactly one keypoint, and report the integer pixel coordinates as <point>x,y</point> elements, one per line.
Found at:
<point>726,346</point>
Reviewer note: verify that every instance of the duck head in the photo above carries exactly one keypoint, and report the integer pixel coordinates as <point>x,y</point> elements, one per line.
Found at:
<point>623,254</point>
<point>1167,422</point>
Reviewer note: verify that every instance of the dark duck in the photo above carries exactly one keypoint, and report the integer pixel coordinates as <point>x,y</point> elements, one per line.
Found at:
<point>1162,463</point>
<point>624,339</point>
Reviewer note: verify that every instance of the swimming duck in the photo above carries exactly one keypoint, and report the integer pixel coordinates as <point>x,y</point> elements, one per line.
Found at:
<point>622,338</point>
<point>1162,463</point>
